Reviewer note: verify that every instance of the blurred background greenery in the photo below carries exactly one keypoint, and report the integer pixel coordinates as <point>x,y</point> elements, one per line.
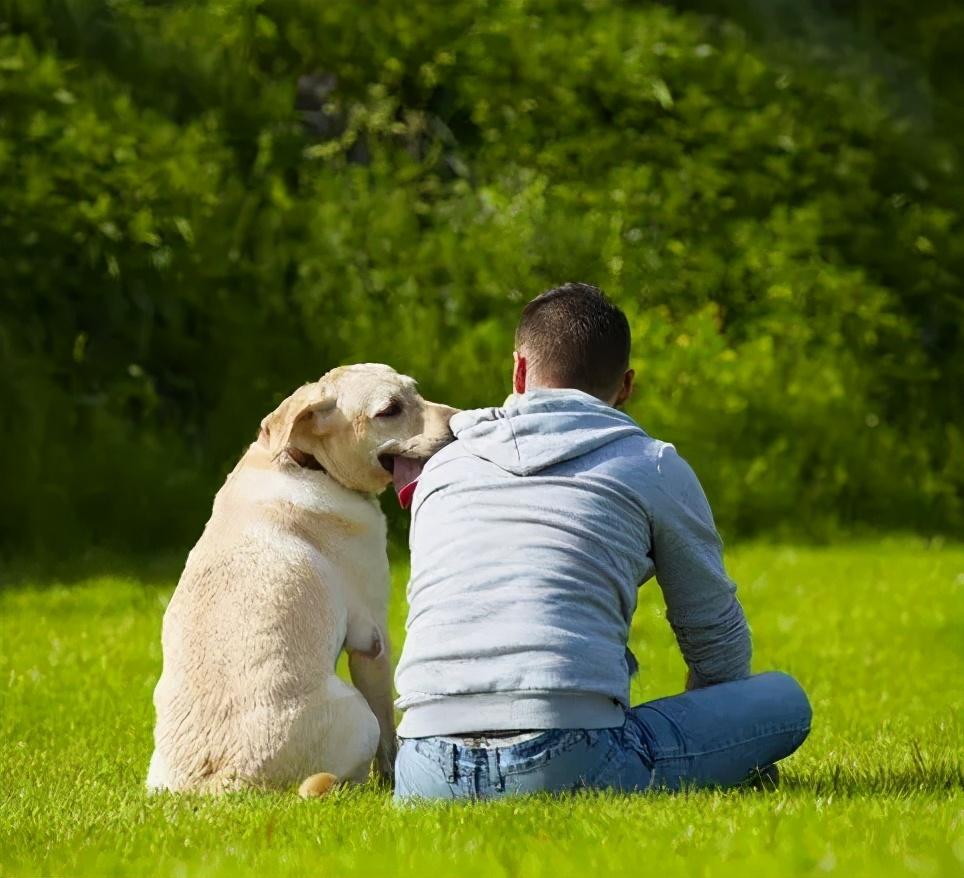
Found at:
<point>206,204</point>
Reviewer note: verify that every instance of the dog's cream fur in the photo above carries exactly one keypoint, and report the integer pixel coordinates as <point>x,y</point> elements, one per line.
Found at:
<point>292,568</point>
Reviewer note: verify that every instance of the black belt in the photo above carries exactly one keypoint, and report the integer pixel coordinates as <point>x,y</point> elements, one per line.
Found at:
<point>501,733</point>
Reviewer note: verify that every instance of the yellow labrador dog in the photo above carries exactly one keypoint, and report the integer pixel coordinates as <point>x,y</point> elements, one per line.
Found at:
<point>290,570</point>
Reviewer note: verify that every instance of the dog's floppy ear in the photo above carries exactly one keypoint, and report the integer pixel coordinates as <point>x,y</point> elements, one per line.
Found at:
<point>309,402</point>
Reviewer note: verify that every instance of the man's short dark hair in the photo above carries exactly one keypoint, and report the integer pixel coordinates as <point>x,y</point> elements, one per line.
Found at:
<point>574,336</point>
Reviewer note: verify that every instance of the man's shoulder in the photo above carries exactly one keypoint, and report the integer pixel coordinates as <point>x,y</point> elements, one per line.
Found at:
<point>647,449</point>
<point>660,463</point>
<point>637,452</point>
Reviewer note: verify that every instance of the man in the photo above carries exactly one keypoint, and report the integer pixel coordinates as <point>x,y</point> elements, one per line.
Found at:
<point>529,537</point>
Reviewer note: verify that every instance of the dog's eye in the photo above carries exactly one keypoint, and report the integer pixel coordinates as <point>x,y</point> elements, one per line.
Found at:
<point>392,409</point>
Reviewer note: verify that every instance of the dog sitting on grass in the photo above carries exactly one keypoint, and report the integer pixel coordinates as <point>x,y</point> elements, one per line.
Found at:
<point>290,570</point>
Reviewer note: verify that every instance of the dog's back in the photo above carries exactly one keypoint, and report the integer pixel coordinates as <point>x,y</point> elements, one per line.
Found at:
<point>254,628</point>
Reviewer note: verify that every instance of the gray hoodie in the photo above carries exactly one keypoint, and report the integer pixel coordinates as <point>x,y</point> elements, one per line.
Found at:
<point>530,535</point>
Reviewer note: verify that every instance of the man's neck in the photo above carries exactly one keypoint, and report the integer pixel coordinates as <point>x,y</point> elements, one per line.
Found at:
<point>544,385</point>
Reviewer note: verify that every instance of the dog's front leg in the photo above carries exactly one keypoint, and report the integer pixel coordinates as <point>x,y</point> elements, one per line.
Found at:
<point>371,672</point>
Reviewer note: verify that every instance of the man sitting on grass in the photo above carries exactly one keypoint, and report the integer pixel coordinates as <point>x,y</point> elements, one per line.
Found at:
<point>530,535</point>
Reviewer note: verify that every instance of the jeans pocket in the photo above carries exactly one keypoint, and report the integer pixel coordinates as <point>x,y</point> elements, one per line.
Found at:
<point>608,771</point>
<point>572,760</point>
<point>535,754</point>
<point>427,748</point>
<point>422,771</point>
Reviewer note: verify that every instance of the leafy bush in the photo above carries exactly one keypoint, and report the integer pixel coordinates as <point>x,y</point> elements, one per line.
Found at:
<point>182,246</point>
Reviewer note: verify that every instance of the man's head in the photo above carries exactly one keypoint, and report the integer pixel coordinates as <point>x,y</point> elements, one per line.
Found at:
<point>573,336</point>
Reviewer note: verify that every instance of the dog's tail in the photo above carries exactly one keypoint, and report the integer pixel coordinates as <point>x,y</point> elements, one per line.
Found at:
<point>317,785</point>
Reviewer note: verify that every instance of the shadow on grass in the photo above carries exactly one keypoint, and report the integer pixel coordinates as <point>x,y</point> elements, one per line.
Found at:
<point>73,569</point>
<point>940,776</point>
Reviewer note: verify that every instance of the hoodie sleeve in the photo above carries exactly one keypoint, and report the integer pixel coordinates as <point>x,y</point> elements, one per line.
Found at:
<point>701,602</point>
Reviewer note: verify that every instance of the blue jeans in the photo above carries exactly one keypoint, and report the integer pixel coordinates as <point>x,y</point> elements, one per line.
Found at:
<point>711,737</point>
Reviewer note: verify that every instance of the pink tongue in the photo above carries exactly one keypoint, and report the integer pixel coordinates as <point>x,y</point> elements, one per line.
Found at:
<point>405,473</point>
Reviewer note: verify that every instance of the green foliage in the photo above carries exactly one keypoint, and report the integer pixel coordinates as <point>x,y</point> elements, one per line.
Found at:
<point>875,791</point>
<point>180,246</point>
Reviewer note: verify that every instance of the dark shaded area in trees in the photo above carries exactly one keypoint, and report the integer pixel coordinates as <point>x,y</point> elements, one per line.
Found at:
<point>206,205</point>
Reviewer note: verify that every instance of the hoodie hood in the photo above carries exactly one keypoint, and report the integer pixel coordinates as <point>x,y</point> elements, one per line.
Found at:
<point>541,428</point>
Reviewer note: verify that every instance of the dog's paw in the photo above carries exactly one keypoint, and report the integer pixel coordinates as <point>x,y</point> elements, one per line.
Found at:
<point>317,785</point>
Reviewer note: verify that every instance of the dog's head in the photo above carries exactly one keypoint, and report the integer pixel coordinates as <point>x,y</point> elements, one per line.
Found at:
<point>354,422</point>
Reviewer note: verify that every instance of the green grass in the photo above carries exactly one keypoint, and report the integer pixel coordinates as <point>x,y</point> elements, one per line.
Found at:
<point>874,632</point>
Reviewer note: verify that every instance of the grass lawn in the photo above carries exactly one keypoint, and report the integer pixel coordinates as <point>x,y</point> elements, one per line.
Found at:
<point>873,631</point>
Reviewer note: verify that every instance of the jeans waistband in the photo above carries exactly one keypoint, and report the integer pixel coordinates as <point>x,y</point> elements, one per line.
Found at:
<point>451,714</point>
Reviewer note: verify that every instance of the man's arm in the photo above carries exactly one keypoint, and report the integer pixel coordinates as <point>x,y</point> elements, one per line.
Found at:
<point>701,603</point>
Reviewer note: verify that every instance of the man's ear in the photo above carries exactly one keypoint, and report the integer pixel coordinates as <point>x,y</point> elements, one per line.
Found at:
<point>295,411</point>
<point>519,369</point>
<point>627,388</point>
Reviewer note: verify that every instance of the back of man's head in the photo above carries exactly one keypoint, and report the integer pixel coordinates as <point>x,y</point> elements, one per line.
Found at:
<point>573,336</point>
